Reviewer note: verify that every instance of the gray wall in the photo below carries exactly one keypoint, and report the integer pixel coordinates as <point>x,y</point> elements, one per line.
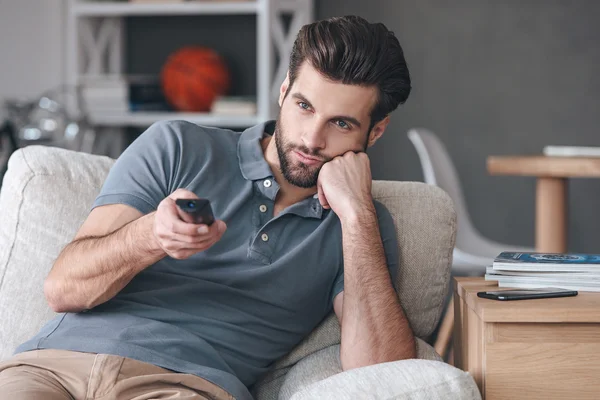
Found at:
<point>495,77</point>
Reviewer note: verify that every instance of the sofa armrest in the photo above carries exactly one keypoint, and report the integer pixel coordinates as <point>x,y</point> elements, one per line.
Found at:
<point>407,379</point>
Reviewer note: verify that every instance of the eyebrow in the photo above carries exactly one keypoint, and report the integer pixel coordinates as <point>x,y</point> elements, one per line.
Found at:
<point>352,120</point>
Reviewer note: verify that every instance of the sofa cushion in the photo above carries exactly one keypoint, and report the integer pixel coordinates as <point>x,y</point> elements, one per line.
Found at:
<point>284,382</point>
<point>45,196</point>
<point>320,376</point>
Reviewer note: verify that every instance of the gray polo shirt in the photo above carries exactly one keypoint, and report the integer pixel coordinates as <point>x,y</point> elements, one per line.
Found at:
<point>227,313</point>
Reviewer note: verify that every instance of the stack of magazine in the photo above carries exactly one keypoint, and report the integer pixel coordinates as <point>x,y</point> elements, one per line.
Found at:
<point>535,270</point>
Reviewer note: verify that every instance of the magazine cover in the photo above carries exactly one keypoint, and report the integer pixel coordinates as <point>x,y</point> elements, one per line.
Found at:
<point>547,258</point>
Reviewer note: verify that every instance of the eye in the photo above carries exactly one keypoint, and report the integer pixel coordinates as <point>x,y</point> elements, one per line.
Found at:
<point>303,105</point>
<point>342,124</point>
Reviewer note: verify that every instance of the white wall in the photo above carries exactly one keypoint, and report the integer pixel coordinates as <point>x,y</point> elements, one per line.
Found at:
<point>31,47</point>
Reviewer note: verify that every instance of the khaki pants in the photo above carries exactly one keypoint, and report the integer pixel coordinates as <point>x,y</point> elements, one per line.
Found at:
<point>62,375</point>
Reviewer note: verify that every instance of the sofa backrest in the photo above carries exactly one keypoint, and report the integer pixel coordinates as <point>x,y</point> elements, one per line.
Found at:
<point>46,195</point>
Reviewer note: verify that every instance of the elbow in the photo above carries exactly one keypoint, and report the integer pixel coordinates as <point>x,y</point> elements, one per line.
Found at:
<point>52,298</point>
<point>54,294</point>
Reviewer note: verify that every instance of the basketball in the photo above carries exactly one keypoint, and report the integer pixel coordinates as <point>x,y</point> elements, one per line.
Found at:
<point>193,77</point>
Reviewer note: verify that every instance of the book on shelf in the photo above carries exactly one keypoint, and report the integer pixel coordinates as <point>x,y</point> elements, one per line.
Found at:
<point>116,94</point>
<point>234,105</point>
<point>121,94</point>
<point>572,151</point>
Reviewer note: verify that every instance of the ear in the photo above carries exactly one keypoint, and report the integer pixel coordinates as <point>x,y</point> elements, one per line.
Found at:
<point>284,87</point>
<point>378,130</point>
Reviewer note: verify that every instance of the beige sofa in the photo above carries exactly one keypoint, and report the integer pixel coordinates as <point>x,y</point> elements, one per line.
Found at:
<point>47,192</point>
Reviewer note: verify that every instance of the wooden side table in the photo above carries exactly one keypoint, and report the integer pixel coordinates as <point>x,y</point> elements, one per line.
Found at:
<point>551,193</point>
<point>528,349</point>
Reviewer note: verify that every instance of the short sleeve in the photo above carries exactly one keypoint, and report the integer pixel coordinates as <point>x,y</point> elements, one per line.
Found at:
<point>143,175</point>
<point>387,230</point>
<point>338,284</point>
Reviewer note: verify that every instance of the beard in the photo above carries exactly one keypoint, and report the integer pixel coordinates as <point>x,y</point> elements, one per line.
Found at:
<point>296,172</point>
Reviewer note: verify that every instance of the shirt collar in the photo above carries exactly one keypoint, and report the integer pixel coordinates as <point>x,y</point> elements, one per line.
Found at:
<point>250,154</point>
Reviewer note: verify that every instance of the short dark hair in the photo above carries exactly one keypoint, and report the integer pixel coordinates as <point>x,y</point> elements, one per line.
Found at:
<point>353,51</point>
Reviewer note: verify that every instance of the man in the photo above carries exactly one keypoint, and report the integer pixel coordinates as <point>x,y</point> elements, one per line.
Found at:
<point>154,306</point>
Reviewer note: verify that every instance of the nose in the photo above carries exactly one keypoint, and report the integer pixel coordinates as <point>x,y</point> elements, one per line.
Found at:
<point>314,138</point>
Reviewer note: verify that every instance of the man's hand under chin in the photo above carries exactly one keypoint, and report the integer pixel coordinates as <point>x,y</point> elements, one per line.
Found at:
<point>344,185</point>
<point>374,327</point>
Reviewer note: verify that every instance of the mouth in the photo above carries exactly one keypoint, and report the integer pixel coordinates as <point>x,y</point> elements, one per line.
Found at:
<point>305,159</point>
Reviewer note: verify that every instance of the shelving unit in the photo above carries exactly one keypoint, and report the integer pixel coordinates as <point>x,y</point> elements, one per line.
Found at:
<point>120,9</point>
<point>144,119</point>
<point>96,46</point>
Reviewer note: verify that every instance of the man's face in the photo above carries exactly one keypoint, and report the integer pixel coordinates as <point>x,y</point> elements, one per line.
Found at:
<point>318,121</point>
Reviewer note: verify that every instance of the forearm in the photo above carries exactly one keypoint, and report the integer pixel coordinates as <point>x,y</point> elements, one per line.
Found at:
<point>91,270</point>
<point>374,327</point>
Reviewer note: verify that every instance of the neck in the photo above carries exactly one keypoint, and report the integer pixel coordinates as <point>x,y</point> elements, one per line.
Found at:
<point>288,194</point>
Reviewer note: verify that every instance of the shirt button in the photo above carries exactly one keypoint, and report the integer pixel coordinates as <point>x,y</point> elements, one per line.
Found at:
<point>262,208</point>
<point>267,183</point>
<point>264,237</point>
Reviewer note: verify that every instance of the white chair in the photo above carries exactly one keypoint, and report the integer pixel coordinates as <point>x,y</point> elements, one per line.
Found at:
<point>473,252</point>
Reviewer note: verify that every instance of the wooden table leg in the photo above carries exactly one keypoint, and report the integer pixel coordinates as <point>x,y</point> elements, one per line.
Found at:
<point>551,215</point>
<point>443,341</point>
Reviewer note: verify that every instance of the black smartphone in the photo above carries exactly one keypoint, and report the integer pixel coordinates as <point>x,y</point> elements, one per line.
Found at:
<point>524,294</point>
<point>199,209</point>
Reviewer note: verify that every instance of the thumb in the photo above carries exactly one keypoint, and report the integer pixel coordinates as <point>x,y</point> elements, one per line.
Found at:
<point>183,194</point>
<point>222,227</point>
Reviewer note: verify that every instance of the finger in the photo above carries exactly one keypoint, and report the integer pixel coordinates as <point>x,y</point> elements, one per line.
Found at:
<point>200,231</point>
<point>183,194</point>
<point>322,197</point>
<point>171,224</point>
<point>174,211</point>
<point>204,233</point>
<point>177,221</point>
<point>185,217</point>
<point>182,254</point>
<point>216,229</point>
<point>177,243</point>
<point>220,227</point>
<point>177,249</point>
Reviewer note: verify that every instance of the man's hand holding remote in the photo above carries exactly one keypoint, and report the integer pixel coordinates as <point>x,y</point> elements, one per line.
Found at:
<point>176,235</point>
